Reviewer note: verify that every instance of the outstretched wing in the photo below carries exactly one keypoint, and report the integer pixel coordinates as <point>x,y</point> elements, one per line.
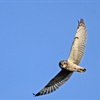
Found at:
<point>79,43</point>
<point>56,82</point>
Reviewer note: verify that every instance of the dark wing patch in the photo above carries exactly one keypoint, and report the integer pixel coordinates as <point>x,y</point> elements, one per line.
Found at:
<point>56,82</point>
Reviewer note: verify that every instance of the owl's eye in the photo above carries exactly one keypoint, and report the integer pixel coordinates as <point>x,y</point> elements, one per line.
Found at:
<point>64,62</point>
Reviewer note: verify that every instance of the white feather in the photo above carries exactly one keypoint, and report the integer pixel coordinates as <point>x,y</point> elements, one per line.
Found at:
<point>79,43</point>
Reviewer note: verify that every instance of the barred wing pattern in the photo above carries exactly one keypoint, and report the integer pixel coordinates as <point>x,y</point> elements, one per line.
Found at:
<point>56,82</point>
<point>79,43</point>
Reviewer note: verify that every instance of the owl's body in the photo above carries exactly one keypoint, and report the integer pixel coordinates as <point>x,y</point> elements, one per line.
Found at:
<point>71,65</point>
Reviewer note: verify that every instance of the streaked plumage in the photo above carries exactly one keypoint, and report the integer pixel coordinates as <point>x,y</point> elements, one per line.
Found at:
<point>71,65</point>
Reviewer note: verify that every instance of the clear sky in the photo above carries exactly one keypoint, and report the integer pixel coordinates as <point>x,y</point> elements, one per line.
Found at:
<point>35,36</point>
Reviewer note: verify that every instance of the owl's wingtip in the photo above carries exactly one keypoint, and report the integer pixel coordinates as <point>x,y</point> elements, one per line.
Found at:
<point>81,20</point>
<point>34,94</point>
<point>38,94</point>
<point>81,23</point>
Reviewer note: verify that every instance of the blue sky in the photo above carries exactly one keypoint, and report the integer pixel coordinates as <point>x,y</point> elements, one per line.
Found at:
<point>35,36</point>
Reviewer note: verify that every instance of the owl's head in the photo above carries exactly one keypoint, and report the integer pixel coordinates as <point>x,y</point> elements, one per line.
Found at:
<point>63,64</point>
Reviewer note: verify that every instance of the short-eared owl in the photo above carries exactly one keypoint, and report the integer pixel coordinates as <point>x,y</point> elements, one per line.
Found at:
<point>71,65</point>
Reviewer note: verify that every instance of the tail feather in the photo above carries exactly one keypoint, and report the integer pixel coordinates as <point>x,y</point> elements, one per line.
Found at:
<point>81,70</point>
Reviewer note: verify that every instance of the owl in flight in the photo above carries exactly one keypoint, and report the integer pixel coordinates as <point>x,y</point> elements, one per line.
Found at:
<point>71,65</point>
